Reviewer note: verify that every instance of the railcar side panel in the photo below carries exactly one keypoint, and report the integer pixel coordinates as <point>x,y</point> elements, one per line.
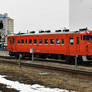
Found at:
<point>66,44</point>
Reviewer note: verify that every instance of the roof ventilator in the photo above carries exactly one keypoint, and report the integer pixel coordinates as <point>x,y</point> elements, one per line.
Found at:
<point>66,30</point>
<point>32,32</point>
<point>41,31</point>
<point>58,30</point>
<point>47,31</point>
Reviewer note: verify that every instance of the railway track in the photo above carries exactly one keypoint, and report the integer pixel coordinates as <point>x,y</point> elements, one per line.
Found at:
<point>21,63</point>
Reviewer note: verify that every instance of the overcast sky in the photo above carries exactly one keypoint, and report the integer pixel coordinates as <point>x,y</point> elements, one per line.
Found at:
<point>36,14</point>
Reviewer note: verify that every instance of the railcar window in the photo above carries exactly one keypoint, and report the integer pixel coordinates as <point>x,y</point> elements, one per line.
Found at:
<point>62,41</point>
<point>22,41</point>
<point>87,37</point>
<point>81,37</point>
<point>18,41</point>
<point>40,41</point>
<point>71,41</point>
<point>26,41</point>
<point>30,41</point>
<point>10,40</point>
<point>13,41</point>
<point>35,41</point>
<point>51,41</point>
<point>57,41</point>
<point>45,41</point>
<point>77,40</point>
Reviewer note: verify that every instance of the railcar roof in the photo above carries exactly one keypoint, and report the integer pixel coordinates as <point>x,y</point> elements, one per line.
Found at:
<point>52,33</point>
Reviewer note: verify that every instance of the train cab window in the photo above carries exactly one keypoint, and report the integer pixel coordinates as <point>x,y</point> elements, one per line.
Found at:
<point>51,41</point>
<point>40,41</point>
<point>35,41</point>
<point>87,37</point>
<point>26,41</point>
<point>18,41</point>
<point>30,41</point>
<point>77,40</point>
<point>58,41</point>
<point>45,41</point>
<point>22,41</point>
<point>71,41</point>
<point>62,41</point>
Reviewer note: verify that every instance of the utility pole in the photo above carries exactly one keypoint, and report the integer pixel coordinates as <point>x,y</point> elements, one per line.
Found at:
<point>76,63</point>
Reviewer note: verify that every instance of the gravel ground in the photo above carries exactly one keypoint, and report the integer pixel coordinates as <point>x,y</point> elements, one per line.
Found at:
<point>43,77</point>
<point>52,79</point>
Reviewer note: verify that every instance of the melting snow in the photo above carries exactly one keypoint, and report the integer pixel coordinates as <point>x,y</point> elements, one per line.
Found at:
<point>28,88</point>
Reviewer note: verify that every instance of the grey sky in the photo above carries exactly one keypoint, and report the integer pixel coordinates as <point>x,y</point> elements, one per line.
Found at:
<point>80,14</point>
<point>36,14</point>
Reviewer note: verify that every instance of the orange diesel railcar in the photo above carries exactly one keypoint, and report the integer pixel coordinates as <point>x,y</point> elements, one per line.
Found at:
<point>63,45</point>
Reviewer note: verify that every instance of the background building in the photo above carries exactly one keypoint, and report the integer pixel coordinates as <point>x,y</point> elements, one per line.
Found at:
<point>6,27</point>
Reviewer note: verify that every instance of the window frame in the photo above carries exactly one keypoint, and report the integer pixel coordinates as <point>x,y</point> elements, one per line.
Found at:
<point>52,41</point>
<point>46,41</point>
<point>62,41</point>
<point>71,41</point>
<point>41,41</point>
<point>22,41</point>
<point>30,41</point>
<point>77,40</point>
<point>35,41</point>
<point>26,41</point>
<point>18,41</point>
<point>57,41</point>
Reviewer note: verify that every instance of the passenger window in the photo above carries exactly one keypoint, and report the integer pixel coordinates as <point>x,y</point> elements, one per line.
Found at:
<point>45,41</point>
<point>62,41</point>
<point>30,41</point>
<point>81,37</point>
<point>71,41</point>
<point>40,41</point>
<point>51,41</point>
<point>22,41</point>
<point>35,41</point>
<point>26,41</point>
<point>13,41</point>
<point>18,41</point>
<point>77,40</point>
<point>57,41</point>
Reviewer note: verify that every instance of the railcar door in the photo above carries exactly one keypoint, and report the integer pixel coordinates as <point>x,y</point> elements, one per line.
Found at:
<point>77,45</point>
<point>71,44</point>
<point>84,45</point>
<point>12,43</point>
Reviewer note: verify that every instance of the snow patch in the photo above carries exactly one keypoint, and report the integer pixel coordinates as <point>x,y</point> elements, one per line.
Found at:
<point>28,88</point>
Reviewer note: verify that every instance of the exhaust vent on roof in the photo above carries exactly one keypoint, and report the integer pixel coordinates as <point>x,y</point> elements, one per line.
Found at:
<point>41,31</point>
<point>32,32</point>
<point>20,33</point>
<point>58,30</point>
<point>66,30</point>
<point>47,31</point>
<point>83,29</point>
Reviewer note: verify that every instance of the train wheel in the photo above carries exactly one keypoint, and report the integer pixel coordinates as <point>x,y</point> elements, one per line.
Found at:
<point>17,55</point>
<point>79,60</point>
<point>70,59</point>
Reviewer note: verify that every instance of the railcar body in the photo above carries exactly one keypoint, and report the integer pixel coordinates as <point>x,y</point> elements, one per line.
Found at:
<point>62,45</point>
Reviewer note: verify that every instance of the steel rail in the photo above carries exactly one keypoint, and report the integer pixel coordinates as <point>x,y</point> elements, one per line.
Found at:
<point>60,69</point>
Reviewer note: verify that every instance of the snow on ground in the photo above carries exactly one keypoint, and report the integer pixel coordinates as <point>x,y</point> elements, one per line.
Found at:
<point>28,88</point>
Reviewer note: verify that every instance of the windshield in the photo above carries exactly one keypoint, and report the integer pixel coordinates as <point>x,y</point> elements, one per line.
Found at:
<point>87,37</point>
